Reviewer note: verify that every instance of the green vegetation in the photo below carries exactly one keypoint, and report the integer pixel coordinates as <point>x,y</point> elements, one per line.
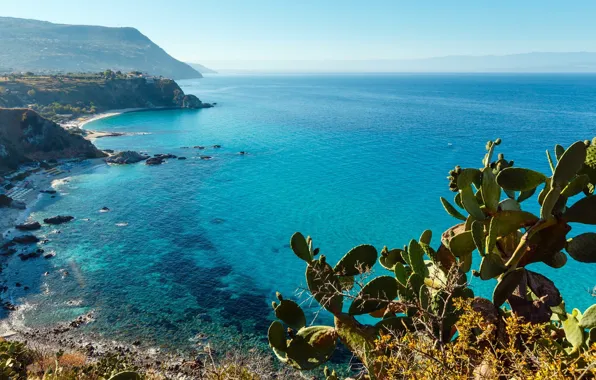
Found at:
<point>63,97</point>
<point>430,323</point>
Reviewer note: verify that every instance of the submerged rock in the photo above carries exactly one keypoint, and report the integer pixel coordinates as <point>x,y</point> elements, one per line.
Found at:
<point>30,226</point>
<point>126,157</point>
<point>48,191</point>
<point>205,157</point>
<point>182,158</point>
<point>25,239</point>
<point>27,256</point>
<point>60,219</point>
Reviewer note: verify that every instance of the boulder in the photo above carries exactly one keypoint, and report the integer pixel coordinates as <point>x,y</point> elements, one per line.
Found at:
<point>29,226</point>
<point>182,158</point>
<point>27,256</point>
<point>60,219</point>
<point>154,161</point>
<point>7,251</point>
<point>126,157</point>
<point>25,239</point>
<point>5,200</point>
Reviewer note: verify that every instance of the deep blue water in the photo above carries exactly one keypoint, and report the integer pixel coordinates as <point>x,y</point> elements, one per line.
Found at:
<point>347,159</point>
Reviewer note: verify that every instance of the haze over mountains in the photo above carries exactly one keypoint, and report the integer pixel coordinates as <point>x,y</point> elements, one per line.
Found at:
<point>31,45</point>
<point>546,62</point>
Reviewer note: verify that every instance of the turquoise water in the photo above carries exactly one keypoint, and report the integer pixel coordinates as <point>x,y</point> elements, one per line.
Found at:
<point>347,159</point>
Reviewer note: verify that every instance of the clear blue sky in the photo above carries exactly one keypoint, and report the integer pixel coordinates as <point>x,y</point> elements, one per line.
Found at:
<point>197,30</point>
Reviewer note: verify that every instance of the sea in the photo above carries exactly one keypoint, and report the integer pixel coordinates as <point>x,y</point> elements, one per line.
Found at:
<point>196,249</point>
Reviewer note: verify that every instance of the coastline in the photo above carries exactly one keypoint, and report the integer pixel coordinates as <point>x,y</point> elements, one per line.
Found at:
<point>81,121</point>
<point>37,182</point>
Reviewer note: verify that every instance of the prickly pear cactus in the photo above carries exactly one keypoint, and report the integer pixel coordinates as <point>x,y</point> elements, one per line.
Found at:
<point>423,281</point>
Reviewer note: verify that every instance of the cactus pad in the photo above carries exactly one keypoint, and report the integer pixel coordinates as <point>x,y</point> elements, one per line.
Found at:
<point>324,285</point>
<point>277,336</point>
<point>374,296</point>
<point>491,266</point>
<point>491,192</point>
<point>452,210</point>
<point>358,260</point>
<point>519,179</point>
<point>583,247</point>
<point>311,347</point>
<point>290,313</point>
<point>471,204</point>
<point>569,164</point>
<point>582,211</point>
<point>573,332</point>
<point>300,247</point>
<point>388,258</point>
<point>507,285</point>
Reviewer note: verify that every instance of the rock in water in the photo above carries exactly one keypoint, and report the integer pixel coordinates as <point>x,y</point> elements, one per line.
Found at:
<point>30,226</point>
<point>154,161</point>
<point>58,219</point>
<point>5,200</point>
<point>126,157</point>
<point>25,239</point>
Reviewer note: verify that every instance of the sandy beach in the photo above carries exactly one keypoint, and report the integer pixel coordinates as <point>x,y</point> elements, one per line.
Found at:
<point>81,121</point>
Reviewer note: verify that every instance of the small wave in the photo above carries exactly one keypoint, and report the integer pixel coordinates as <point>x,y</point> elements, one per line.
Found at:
<point>122,224</point>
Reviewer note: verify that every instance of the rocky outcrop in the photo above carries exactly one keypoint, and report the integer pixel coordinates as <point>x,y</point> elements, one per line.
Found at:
<point>29,226</point>
<point>25,136</point>
<point>126,157</point>
<point>60,219</point>
<point>154,161</point>
<point>6,201</point>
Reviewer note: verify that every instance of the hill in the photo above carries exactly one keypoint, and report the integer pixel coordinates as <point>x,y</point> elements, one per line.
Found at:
<point>62,97</point>
<point>201,68</point>
<point>40,46</point>
<point>25,136</point>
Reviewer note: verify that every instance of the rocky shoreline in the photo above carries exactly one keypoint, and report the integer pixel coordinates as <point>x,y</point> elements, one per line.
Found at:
<point>69,337</point>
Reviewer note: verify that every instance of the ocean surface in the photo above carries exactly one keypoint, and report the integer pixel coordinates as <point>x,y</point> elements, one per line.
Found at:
<point>200,246</point>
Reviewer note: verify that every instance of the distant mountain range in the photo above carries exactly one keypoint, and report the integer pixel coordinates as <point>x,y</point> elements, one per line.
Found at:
<point>578,62</point>
<point>202,69</point>
<point>40,46</point>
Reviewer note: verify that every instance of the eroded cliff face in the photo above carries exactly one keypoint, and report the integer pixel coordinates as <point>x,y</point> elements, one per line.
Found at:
<point>25,136</point>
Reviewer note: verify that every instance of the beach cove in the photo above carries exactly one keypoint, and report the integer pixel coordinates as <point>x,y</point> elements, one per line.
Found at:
<point>199,247</point>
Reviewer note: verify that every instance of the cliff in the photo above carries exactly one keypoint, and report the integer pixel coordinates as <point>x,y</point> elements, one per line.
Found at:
<point>25,136</point>
<point>62,96</point>
<point>40,46</point>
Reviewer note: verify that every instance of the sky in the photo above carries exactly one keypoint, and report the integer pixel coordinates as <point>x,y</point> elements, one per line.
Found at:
<point>235,30</point>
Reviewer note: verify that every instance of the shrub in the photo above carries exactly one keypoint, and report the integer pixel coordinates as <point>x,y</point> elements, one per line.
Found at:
<point>426,299</point>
